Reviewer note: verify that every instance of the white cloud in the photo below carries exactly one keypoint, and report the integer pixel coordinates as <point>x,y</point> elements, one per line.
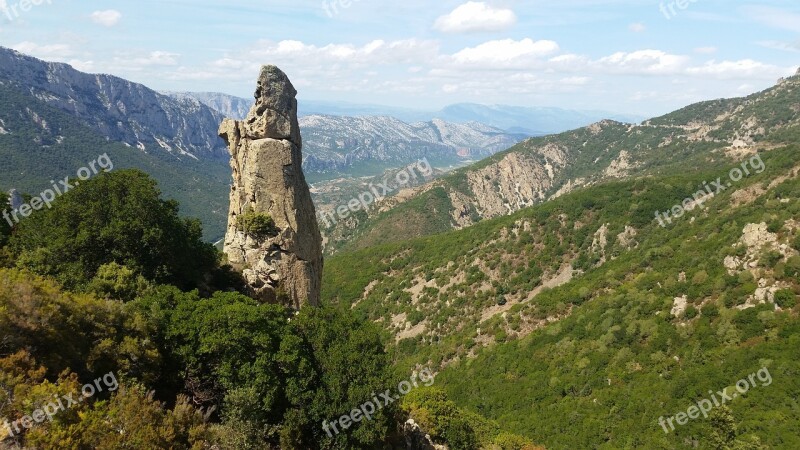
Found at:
<point>643,62</point>
<point>107,18</point>
<point>744,69</point>
<point>780,45</point>
<point>505,51</point>
<point>157,58</point>
<point>474,17</point>
<point>637,27</point>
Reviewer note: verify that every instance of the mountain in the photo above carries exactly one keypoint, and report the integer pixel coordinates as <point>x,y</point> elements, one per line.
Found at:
<point>531,121</point>
<point>547,167</point>
<point>68,118</point>
<point>40,142</point>
<point>227,105</point>
<point>534,121</point>
<point>371,144</point>
<point>118,109</point>
<point>598,322</point>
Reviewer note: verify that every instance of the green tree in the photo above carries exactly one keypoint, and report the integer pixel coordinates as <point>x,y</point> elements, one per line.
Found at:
<point>117,217</point>
<point>274,374</point>
<point>785,298</point>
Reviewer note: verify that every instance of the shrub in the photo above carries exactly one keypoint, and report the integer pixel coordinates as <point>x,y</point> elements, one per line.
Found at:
<point>772,258</point>
<point>710,310</point>
<point>260,225</point>
<point>785,298</point>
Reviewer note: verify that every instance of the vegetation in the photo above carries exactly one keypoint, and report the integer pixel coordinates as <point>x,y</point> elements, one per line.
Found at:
<point>215,371</point>
<point>260,225</point>
<point>35,154</point>
<point>596,361</point>
<point>117,217</point>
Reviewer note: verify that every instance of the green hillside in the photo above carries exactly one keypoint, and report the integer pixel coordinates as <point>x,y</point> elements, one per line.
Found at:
<point>597,357</point>
<point>43,143</point>
<point>690,140</point>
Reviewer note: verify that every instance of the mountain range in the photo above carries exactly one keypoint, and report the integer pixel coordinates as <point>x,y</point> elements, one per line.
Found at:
<point>603,280</point>
<point>543,168</point>
<point>532,121</point>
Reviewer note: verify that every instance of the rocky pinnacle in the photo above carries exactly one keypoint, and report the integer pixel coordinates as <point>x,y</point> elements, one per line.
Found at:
<point>272,236</point>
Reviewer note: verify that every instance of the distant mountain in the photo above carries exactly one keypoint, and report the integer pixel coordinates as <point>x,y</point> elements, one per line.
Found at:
<point>336,145</point>
<point>539,169</point>
<point>533,121</point>
<point>118,109</point>
<point>369,145</point>
<point>227,105</point>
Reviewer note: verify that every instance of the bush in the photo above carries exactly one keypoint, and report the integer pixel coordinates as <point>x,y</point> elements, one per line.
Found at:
<point>691,312</point>
<point>275,375</point>
<point>710,310</point>
<point>786,299</point>
<point>76,332</point>
<point>441,418</point>
<point>260,225</point>
<point>772,258</point>
<point>508,441</point>
<point>117,282</point>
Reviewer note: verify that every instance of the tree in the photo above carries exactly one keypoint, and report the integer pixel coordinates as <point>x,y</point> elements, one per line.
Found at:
<point>785,298</point>
<point>116,217</point>
<point>274,375</point>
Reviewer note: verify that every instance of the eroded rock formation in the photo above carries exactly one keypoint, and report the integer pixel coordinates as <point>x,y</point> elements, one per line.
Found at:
<point>272,236</point>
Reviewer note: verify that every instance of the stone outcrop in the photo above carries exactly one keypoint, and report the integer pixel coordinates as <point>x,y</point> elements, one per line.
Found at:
<point>272,235</point>
<point>416,439</point>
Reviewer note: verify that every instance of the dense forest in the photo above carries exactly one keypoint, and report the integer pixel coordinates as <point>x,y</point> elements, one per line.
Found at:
<point>112,282</point>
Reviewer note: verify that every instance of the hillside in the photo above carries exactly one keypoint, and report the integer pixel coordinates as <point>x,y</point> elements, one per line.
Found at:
<point>117,109</point>
<point>696,137</point>
<point>335,145</point>
<point>40,142</point>
<point>594,319</point>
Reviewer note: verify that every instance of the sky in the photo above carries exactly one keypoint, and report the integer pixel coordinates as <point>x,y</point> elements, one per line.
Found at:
<point>645,57</point>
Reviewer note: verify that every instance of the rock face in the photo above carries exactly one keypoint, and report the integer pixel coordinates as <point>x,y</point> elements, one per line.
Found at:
<point>280,255</point>
<point>117,109</point>
<point>416,439</point>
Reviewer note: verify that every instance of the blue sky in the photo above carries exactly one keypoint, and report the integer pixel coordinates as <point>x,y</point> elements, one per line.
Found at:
<point>644,57</point>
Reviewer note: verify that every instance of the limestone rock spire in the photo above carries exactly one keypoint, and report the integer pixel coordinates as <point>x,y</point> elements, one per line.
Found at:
<point>272,235</point>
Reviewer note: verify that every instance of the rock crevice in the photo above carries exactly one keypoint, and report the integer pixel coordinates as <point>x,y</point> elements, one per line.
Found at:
<point>272,235</point>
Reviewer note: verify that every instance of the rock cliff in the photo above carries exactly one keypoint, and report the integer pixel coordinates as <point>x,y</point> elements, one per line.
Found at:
<point>272,233</point>
<point>118,109</point>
